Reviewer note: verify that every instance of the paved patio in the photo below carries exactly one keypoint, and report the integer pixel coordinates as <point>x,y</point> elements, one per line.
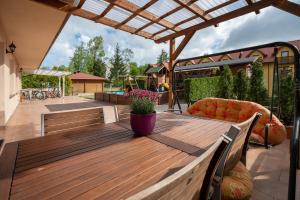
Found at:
<point>26,120</point>
<point>269,168</point>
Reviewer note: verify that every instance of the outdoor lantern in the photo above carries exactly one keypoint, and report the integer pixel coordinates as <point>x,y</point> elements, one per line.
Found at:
<point>12,48</point>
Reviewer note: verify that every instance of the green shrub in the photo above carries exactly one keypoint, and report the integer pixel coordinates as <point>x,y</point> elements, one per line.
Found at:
<point>240,85</point>
<point>199,88</point>
<point>286,99</point>
<point>42,81</point>
<point>257,92</point>
<point>225,84</point>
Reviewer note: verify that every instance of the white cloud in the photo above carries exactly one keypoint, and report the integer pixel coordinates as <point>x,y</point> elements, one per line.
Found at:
<point>270,25</point>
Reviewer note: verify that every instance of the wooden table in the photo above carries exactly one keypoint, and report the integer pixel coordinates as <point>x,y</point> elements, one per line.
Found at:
<point>103,161</point>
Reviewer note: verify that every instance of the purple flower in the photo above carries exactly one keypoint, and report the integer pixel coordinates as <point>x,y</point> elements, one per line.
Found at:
<point>141,94</point>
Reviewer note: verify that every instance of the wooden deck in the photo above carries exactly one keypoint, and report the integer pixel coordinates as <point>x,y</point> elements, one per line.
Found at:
<point>103,161</point>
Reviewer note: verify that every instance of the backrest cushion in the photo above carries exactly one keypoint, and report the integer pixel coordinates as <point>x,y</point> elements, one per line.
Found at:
<point>239,111</point>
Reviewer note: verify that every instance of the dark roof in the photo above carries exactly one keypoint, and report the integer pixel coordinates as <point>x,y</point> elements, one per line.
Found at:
<point>216,64</point>
<point>268,55</point>
<point>84,76</point>
<point>153,70</point>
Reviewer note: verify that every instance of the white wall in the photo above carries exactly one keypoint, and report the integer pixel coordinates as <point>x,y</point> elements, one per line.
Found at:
<point>9,81</point>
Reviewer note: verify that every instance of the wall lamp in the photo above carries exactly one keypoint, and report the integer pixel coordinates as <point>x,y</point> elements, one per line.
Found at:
<point>12,48</point>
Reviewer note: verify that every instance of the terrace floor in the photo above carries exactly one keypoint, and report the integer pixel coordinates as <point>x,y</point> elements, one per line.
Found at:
<point>269,168</point>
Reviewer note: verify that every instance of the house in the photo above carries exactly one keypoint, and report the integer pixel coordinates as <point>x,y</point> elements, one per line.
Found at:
<point>32,28</point>
<point>157,74</point>
<point>242,60</point>
<point>86,83</point>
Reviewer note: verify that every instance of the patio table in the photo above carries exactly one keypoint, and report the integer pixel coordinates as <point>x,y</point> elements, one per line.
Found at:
<point>103,161</point>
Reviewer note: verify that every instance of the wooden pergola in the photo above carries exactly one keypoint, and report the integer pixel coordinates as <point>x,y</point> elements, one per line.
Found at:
<point>165,20</point>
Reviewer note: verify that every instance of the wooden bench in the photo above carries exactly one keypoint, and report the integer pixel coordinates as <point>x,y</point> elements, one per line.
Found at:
<point>194,180</point>
<point>56,122</point>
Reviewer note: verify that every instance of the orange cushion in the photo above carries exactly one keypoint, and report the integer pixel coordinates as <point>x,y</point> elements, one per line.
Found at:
<point>237,185</point>
<point>239,111</point>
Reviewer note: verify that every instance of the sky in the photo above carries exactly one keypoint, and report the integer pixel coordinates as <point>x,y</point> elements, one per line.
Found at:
<point>270,25</point>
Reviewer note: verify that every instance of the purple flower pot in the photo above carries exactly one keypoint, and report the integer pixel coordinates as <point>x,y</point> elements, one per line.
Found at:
<point>142,125</point>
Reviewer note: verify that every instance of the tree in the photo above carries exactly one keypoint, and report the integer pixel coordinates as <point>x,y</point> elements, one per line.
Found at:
<point>77,61</point>
<point>142,69</point>
<point>60,68</point>
<point>225,84</point>
<point>127,55</point>
<point>240,85</point>
<point>99,68</point>
<point>163,57</point>
<point>286,98</point>
<point>120,62</point>
<point>94,58</point>
<point>134,70</point>
<point>257,91</point>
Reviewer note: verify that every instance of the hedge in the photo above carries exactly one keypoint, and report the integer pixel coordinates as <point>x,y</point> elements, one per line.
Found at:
<point>42,81</point>
<point>199,88</point>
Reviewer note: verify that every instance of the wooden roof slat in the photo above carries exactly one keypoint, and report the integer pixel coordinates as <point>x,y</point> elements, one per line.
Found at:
<point>219,6</point>
<point>107,9</point>
<point>134,10</point>
<point>288,6</point>
<point>193,8</point>
<point>109,22</point>
<point>162,17</point>
<point>80,4</point>
<point>250,2</point>
<point>147,5</point>
<point>130,7</point>
<point>178,24</point>
<point>233,14</point>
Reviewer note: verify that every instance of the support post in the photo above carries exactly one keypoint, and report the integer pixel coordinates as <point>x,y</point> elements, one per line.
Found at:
<point>171,61</point>
<point>64,84</point>
<point>174,53</point>
<point>59,84</point>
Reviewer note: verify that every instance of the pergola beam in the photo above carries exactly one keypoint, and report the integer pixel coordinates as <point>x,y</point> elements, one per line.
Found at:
<point>196,10</point>
<point>147,5</point>
<point>250,2</point>
<point>80,4</point>
<point>178,24</point>
<point>107,9</point>
<point>109,22</point>
<point>288,6</point>
<point>130,7</point>
<point>171,61</point>
<point>219,6</point>
<point>174,53</point>
<point>183,43</point>
<point>231,15</point>
<point>164,16</point>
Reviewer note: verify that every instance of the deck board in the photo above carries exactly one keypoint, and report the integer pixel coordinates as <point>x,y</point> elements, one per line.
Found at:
<point>7,160</point>
<point>107,161</point>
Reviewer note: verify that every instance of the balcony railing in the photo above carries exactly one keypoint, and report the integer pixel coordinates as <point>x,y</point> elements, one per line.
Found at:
<point>286,60</point>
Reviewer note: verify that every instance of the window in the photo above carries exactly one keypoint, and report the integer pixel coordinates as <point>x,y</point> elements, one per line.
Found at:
<point>284,57</point>
<point>284,54</point>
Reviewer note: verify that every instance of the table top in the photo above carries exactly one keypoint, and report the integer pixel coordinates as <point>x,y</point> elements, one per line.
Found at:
<point>103,161</point>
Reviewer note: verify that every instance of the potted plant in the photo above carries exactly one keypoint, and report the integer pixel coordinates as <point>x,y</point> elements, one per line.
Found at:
<point>143,115</point>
